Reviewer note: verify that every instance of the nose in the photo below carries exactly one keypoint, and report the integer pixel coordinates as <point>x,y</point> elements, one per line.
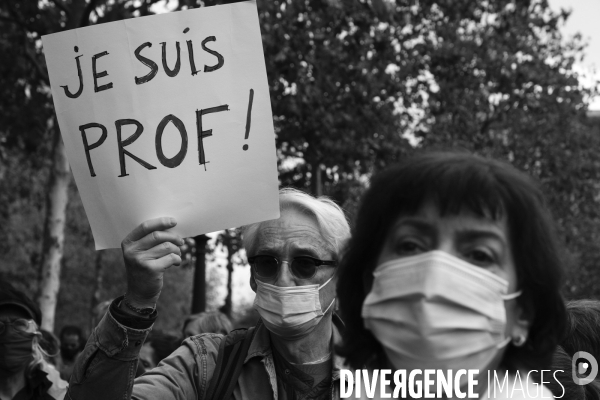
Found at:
<point>285,278</point>
<point>447,245</point>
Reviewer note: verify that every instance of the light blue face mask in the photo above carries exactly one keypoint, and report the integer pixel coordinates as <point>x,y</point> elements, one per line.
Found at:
<point>290,312</point>
<point>436,311</point>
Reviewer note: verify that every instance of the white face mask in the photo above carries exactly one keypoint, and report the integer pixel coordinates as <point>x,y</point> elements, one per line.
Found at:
<point>436,311</point>
<point>290,312</point>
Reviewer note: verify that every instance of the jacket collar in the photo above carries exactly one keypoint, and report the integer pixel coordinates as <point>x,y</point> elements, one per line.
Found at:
<point>261,343</point>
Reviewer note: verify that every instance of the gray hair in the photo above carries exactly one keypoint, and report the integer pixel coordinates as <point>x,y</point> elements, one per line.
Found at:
<point>37,352</point>
<point>331,220</point>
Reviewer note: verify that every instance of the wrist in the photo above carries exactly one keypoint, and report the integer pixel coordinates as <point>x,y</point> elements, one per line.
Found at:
<point>139,307</point>
<point>141,301</point>
<point>133,320</point>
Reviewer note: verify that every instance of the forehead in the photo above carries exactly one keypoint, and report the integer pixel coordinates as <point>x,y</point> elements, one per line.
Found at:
<point>293,229</point>
<point>463,219</point>
<point>13,312</point>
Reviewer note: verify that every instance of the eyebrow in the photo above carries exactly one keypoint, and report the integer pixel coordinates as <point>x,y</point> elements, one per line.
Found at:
<point>463,234</point>
<point>473,234</point>
<point>262,251</point>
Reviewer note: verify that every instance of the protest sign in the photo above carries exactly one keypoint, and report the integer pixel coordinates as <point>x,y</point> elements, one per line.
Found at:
<point>167,115</point>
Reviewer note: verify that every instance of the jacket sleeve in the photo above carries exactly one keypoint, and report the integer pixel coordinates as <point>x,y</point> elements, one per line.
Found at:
<point>106,368</point>
<point>185,374</point>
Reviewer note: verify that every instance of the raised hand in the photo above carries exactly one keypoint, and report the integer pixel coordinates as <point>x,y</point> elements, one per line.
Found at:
<point>149,250</point>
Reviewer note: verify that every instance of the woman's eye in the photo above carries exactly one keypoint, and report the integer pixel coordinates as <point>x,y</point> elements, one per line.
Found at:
<point>481,257</point>
<point>408,247</point>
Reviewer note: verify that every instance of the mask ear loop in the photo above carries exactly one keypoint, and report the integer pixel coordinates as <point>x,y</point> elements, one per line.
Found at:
<point>332,301</point>
<point>503,343</point>
<point>512,296</point>
<point>325,284</point>
<point>506,297</point>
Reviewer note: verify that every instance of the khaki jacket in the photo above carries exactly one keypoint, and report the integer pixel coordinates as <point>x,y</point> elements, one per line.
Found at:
<point>106,368</point>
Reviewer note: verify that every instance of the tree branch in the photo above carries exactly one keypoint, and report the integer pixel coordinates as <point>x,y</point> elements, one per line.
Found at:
<point>62,7</point>
<point>20,24</point>
<point>19,21</point>
<point>31,57</point>
<point>85,16</point>
<point>41,71</point>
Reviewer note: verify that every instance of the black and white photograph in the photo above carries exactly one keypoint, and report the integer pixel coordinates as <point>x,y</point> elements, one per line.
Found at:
<point>299,199</point>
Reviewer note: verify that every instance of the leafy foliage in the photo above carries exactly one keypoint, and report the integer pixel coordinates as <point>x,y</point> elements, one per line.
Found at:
<point>326,64</point>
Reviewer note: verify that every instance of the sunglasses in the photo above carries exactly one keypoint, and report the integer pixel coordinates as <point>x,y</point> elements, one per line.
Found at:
<point>303,267</point>
<point>21,325</point>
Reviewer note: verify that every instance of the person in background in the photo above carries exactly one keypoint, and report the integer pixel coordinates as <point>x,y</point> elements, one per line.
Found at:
<point>287,355</point>
<point>71,343</point>
<point>157,347</point>
<point>561,383</point>
<point>453,264</point>
<point>24,374</point>
<point>206,322</point>
<point>147,358</point>
<point>582,335</point>
<point>583,329</point>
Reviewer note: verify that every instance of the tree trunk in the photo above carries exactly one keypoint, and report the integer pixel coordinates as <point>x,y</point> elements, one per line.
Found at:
<point>97,288</point>
<point>199,291</point>
<point>319,191</point>
<point>317,178</point>
<point>228,306</point>
<point>231,241</point>
<point>57,199</point>
<point>54,231</point>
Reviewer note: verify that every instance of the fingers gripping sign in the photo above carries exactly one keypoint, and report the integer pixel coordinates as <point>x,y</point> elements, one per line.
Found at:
<point>149,250</point>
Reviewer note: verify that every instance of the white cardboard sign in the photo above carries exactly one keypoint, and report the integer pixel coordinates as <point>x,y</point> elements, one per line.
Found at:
<point>167,115</point>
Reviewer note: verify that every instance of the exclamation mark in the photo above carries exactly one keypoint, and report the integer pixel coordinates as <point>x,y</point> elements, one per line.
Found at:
<point>248,118</point>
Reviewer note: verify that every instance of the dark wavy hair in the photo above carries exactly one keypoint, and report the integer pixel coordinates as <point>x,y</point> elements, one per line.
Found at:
<point>562,384</point>
<point>583,327</point>
<point>455,182</point>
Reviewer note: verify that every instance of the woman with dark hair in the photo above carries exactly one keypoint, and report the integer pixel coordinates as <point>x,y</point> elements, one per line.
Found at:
<point>453,264</point>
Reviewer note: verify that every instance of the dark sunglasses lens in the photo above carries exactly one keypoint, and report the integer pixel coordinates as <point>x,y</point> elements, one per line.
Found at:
<point>265,266</point>
<point>304,267</point>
